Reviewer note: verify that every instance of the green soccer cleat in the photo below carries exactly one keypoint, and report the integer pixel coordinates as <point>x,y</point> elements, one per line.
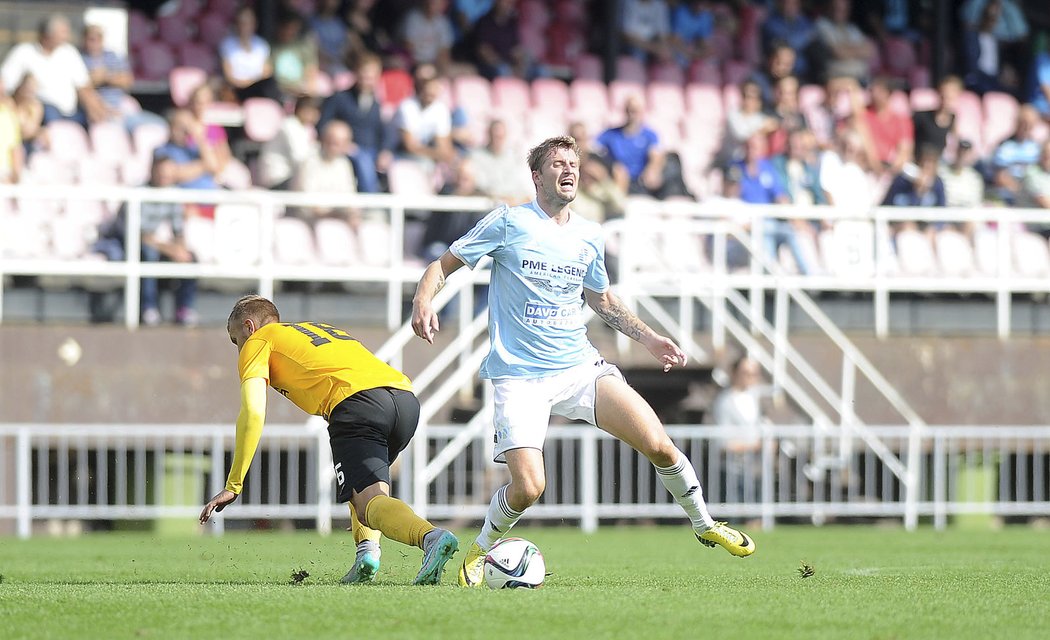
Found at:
<point>472,573</point>
<point>735,542</point>
<point>436,554</point>
<point>365,568</point>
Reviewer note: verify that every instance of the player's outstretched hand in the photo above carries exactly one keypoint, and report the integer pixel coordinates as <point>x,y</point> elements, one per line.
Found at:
<point>666,351</point>
<point>218,503</point>
<point>425,322</point>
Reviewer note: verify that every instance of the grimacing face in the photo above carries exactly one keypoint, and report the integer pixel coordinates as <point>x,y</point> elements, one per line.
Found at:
<point>559,175</point>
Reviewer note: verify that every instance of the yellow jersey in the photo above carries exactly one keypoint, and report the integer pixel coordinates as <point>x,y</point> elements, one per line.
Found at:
<point>315,365</point>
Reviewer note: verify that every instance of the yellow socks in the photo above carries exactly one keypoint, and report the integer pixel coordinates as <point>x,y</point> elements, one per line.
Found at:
<point>360,531</point>
<point>397,521</point>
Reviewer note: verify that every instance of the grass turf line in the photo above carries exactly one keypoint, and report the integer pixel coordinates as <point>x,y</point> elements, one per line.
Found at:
<point>619,583</point>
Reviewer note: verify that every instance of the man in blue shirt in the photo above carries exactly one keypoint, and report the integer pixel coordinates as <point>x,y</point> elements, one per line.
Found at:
<point>194,157</point>
<point>787,24</point>
<point>547,261</point>
<point>635,151</point>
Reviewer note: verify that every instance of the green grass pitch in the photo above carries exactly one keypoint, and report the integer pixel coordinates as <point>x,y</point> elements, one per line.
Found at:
<point>623,582</point>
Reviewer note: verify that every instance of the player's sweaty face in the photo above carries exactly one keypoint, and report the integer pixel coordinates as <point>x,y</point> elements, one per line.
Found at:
<point>560,175</point>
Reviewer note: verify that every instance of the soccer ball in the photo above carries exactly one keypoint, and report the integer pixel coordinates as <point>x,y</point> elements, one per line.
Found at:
<point>514,563</point>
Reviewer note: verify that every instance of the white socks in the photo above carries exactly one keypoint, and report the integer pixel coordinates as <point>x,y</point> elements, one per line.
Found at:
<point>498,521</point>
<point>681,481</point>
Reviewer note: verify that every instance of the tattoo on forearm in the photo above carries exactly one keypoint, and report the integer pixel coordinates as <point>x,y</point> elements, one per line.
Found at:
<point>619,317</point>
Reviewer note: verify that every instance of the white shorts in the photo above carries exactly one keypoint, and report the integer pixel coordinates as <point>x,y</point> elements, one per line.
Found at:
<point>524,405</point>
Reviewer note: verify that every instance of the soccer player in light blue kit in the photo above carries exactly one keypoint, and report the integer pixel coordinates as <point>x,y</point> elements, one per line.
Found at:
<point>546,262</point>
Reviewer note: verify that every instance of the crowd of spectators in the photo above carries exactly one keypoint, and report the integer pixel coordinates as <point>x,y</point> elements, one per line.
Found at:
<point>325,63</point>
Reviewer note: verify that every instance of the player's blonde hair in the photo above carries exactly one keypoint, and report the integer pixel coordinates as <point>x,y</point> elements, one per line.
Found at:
<point>254,307</point>
<point>540,152</point>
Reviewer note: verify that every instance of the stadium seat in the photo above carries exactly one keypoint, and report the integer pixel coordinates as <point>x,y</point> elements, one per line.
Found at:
<point>590,100</point>
<point>199,55</point>
<point>620,90</point>
<point>174,30</point>
<point>235,175</point>
<point>68,140</point>
<point>848,248</point>
<point>540,125</point>
<point>705,72</point>
<point>955,256</point>
<point>735,71</point>
<point>665,99</point>
<point>374,239</point>
<point>147,137</point>
<point>1000,116</point>
<point>668,130</point>
<point>915,254</point>
<point>588,67</point>
<point>262,118</point>
<point>969,120</point>
<point>135,170</point>
<point>293,242</point>
<point>183,81</point>
<point>704,102</point>
<point>731,97</point>
<point>534,42</point>
<point>88,213</point>
<point>474,95</point>
<point>810,96</point>
<point>69,236</point>
<point>96,170</point>
<point>199,234</point>
<point>110,141</point>
<point>47,168</point>
<point>549,94</point>
<point>986,252</point>
<point>924,99</point>
<point>630,69</point>
<point>155,60</point>
<point>408,177</point>
<point>510,96</point>
<point>337,246</point>
<point>394,86</point>
<point>237,234</point>
<point>212,28</point>
<point>25,235</point>
<point>1031,255</point>
<point>668,73</point>
<point>140,28</point>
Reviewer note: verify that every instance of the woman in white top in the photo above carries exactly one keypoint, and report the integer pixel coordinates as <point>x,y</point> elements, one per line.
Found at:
<point>246,60</point>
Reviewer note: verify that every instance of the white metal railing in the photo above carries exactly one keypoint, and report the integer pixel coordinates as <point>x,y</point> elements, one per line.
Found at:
<point>875,272</point>
<point>133,472</point>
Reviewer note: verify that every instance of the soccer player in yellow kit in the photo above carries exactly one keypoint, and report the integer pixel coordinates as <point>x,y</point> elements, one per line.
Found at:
<point>371,413</point>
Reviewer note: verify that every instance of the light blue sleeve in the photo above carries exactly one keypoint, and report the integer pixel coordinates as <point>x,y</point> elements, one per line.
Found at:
<point>488,236</point>
<point>597,278</point>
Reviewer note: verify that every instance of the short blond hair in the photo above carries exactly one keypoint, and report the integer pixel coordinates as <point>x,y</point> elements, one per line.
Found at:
<point>254,307</point>
<point>542,151</point>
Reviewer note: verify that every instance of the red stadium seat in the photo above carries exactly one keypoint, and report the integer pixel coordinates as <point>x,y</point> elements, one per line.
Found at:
<point>336,244</point>
<point>549,94</point>
<point>94,170</point>
<point>262,118</point>
<point>68,140</point>
<point>1000,116</point>
<point>969,119</point>
<point>212,28</point>
<point>665,99</point>
<point>588,67</point>
<point>510,96</point>
<point>183,81</point>
<point>667,73</point>
<point>394,86</point>
<point>705,72</point>
<point>955,255</point>
<point>174,29</point>
<point>293,242</point>
<point>407,177</point>
<point>155,60</point>
<point>735,71</point>
<point>924,99</point>
<point>199,55</point>
<point>474,95</point>
<point>235,175</point>
<point>540,125</point>
<point>238,231</point>
<point>590,100</point>
<point>110,141</point>
<point>1031,255</point>
<point>630,69</point>
<point>147,137</point>
<point>915,254</point>
<point>620,90</point>
<point>374,240</point>
<point>140,29</point>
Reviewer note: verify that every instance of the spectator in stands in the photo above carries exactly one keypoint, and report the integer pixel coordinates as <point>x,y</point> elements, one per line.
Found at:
<point>779,63</point>
<point>466,13</point>
<point>787,25</point>
<point>634,148</point>
<point>921,187</point>
<point>30,112</point>
<point>844,49</point>
<point>246,60</point>
<point>62,81</point>
<point>331,34</point>
<point>739,406</point>
<point>280,157</point>
<point>424,123</point>
<point>980,52</point>
<point>744,122</point>
<point>843,173</point>
<point>799,169</point>
<point>497,49</point>
<point>1015,154</point>
<point>892,134</point>
<point>1011,31</point>
<point>1036,185</point>
<point>585,141</point>
<point>215,136</point>
<point>646,30</point>
<point>787,113</point>
<point>329,171</point>
<point>365,37</point>
<point>427,35</point>
<point>163,241</point>
<point>932,127</point>
<point>12,154</point>
<point>498,169</point>
<point>189,150</point>
<point>442,228</point>
<point>760,184</point>
<point>359,107</point>
<point>294,58</point>
<point>111,77</point>
<point>599,197</point>
<point>1040,84</point>
<point>692,25</point>
<point>963,184</point>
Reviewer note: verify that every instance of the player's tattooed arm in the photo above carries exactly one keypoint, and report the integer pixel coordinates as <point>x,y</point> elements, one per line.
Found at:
<point>615,314</point>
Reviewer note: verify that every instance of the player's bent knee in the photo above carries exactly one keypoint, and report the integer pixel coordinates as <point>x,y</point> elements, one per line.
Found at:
<point>662,453</point>
<point>522,495</point>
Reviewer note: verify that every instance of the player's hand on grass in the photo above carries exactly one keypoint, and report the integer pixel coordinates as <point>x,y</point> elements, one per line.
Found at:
<point>425,322</point>
<point>218,503</point>
<point>666,351</point>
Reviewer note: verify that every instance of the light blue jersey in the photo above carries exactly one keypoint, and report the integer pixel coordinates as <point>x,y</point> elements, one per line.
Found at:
<point>536,301</point>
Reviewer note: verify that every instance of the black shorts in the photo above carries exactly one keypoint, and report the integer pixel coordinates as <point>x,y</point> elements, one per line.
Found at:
<point>367,431</point>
